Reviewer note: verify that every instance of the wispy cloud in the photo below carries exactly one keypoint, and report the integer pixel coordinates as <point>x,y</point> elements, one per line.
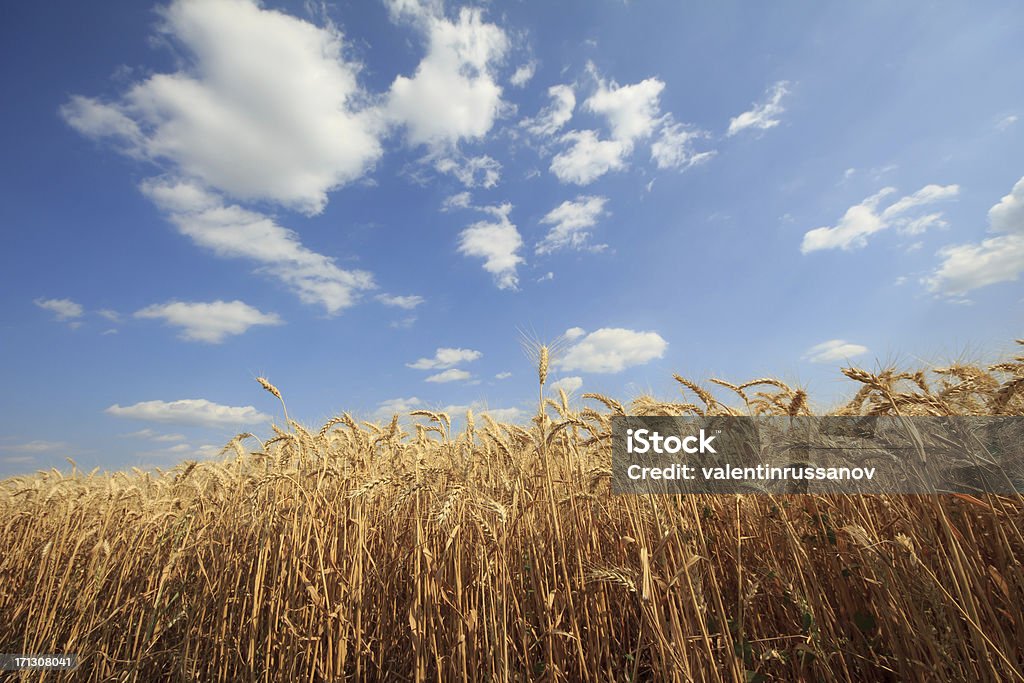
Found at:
<point>193,411</point>
<point>446,358</point>
<point>865,219</point>
<point>763,115</point>
<point>571,221</point>
<point>233,232</point>
<point>407,302</point>
<point>451,375</point>
<point>523,74</point>
<point>63,309</point>
<point>834,350</point>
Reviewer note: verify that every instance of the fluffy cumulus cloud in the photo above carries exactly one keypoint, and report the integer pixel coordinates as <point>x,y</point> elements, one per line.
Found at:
<point>497,242</point>
<point>763,115</point>
<point>865,219</point>
<point>833,351</point>
<point>1000,258</point>
<point>453,95</point>
<point>631,110</point>
<point>446,358</point>
<point>190,411</point>
<point>609,349</point>
<point>551,119</point>
<point>632,113</point>
<point>450,375</point>
<point>568,384</point>
<point>571,221</point>
<point>588,157</point>
<point>62,309</point>
<point>238,85</point>
<point>234,232</point>
<point>210,322</point>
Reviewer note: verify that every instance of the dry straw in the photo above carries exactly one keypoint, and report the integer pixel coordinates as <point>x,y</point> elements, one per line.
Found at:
<point>365,553</point>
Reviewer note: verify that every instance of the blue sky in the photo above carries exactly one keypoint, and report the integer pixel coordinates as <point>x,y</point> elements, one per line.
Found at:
<point>368,203</point>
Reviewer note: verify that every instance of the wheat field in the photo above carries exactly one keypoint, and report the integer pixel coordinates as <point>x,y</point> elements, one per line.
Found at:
<point>403,551</point>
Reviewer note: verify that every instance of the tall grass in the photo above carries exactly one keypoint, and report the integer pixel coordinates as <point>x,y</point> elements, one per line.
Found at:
<point>405,552</point>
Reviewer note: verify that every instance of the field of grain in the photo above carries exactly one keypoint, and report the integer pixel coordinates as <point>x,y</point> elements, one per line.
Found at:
<point>404,551</point>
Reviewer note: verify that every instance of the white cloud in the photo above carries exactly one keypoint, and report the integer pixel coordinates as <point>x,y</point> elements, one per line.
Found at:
<point>966,267</point>
<point>551,119</point>
<point>210,322</point>
<point>190,411</point>
<point>834,350</point>
<point>502,414</point>
<point>480,407</point>
<point>503,375</point>
<point>152,435</point>
<point>236,117</point>
<point>446,358</point>
<point>457,201</point>
<point>37,446</point>
<point>63,309</point>
<point>568,384</point>
<point>523,74</point>
<point>1008,214</point>
<point>453,94</point>
<point>1006,122</point>
<point>632,113</point>
<point>407,302</point>
<point>571,220</point>
<point>396,406</point>
<point>451,375</point>
<point>468,170</point>
<point>207,451</point>
<point>864,219</point>
<point>183,449</point>
<point>573,333</point>
<point>631,110</point>
<point>112,316</point>
<point>1000,258</point>
<point>403,323</point>
<point>674,147</point>
<point>233,232</point>
<point>588,158</point>
<point>610,349</point>
<point>764,115</point>
<point>498,243</point>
